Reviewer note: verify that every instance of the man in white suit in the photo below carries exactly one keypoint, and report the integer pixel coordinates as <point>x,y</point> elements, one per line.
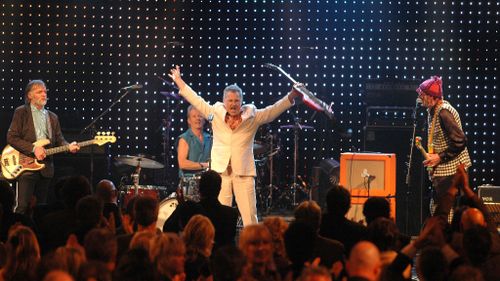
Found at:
<point>234,127</point>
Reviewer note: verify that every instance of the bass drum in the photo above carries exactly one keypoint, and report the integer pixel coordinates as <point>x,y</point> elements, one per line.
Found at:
<point>167,207</point>
<point>128,192</point>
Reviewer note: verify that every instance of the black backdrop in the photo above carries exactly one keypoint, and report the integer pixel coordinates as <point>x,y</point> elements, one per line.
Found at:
<point>87,50</point>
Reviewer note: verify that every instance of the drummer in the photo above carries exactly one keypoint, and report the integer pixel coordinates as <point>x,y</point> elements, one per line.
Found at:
<point>193,146</point>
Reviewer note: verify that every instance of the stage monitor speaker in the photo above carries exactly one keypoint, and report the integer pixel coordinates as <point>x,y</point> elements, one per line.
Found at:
<point>324,176</point>
<point>491,198</point>
<point>369,174</point>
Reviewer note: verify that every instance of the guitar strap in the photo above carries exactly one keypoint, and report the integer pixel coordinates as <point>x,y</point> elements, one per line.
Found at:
<point>49,126</point>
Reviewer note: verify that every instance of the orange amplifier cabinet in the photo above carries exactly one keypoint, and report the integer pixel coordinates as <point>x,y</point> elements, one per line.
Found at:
<point>368,175</point>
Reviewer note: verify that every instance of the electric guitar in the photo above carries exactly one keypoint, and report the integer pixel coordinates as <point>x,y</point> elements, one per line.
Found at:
<point>418,144</point>
<point>14,163</point>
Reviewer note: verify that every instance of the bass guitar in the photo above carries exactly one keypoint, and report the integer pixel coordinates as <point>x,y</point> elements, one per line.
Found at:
<point>14,163</point>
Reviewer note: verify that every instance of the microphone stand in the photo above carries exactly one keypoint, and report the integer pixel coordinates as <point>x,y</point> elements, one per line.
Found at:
<point>167,124</point>
<point>409,168</point>
<point>93,132</point>
<point>210,118</point>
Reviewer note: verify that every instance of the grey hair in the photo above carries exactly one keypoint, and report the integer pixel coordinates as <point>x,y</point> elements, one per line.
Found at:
<point>30,86</point>
<point>190,107</point>
<point>233,88</point>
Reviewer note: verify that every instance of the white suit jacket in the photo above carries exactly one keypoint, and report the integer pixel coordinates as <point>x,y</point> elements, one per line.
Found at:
<point>234,145</point>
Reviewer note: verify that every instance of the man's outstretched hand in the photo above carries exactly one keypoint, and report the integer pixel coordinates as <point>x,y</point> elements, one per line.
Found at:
<point>175,75</point>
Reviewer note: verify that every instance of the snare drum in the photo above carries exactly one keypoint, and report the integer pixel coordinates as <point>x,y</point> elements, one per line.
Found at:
<point>143,190</point>
<point>167,207</point>
<point>190,187</point>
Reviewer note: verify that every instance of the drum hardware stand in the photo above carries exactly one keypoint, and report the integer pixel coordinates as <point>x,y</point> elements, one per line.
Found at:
<point>135,178</point>
<point>308,189</point>
<point>295,185</point>
<point>120,191</point>
<point>269,200</point>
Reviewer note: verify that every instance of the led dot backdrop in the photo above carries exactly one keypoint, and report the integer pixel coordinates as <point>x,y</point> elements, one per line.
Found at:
<point>87,50</point>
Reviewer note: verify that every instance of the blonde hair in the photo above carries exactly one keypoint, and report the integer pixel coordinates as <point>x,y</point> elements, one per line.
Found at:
<point>142,240</point>
<point>198,236</point>
<point>252,232</point>
<point>162,248</point>
<point>277,226</point>
<point>252,235</point>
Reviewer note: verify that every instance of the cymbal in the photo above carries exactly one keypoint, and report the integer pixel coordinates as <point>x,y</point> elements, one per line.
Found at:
<point>293,126</point>
<point>135,160</point>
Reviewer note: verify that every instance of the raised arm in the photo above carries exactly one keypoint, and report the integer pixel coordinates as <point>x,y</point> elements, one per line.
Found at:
<point>478,203</point>
<point>271,112</point>
<point>191,96</point>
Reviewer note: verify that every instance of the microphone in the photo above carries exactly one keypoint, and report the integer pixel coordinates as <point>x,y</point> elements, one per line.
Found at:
<point>132,87</point>
<point>366,175</point>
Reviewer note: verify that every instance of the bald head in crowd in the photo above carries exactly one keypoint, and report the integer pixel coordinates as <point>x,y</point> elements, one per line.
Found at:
<point>58,275</point>
<point>472,217</point>
<point>106,190</point>
<point>364,261</point>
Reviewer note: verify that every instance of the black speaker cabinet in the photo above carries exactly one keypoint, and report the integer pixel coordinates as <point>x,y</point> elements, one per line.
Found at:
<point>491,198</point>
<point>324,177</point>
<point>413,198</point>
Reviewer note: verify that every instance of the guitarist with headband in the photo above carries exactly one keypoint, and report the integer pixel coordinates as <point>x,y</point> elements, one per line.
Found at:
<point>32,122</point>
<point>446,146</point>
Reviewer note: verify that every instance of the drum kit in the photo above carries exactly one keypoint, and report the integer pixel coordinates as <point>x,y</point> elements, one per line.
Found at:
<point>269,196</point>
<point>139,162</point>
<point>169,201</point>
<point>128,191</point>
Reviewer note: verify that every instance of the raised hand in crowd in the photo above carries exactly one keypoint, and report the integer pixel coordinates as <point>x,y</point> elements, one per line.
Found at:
<point>127,224</point>
<point>461,181</point>
<point>72,243</point>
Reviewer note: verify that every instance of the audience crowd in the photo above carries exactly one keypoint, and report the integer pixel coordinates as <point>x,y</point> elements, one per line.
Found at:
<point>84,236</point>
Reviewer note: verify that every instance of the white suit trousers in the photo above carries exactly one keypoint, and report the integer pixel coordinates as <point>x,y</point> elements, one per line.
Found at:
<point>243,188</point>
